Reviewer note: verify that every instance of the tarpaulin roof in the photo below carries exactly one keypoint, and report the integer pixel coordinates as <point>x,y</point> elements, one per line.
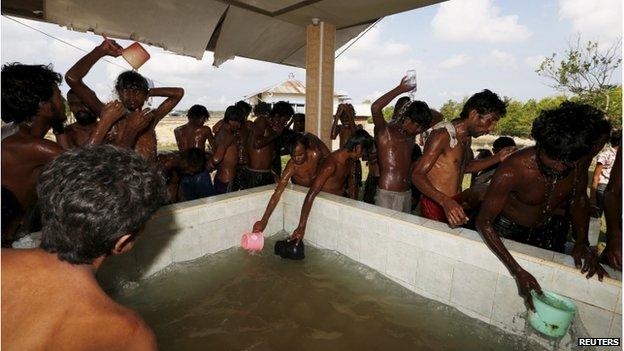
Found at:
<point>267,30</point>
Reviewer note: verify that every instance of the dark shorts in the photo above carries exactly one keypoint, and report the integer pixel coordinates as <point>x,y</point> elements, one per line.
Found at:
<point>257,178</point>
<point>370,188</point>
<point>223,188</point>
<point>551,236</point>
<point>600,192</point>
<point>241,178</point>
<point>196,186</point>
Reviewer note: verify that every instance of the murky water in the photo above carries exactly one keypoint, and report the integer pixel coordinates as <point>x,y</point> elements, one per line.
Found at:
<point>236,301</point>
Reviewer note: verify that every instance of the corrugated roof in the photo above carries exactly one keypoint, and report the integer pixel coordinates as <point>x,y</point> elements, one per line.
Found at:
<point>289,86</point>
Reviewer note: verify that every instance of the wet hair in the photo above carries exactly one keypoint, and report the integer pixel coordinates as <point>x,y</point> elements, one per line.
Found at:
<point>24,87</point>
<point>262,109</point>
<point>419,112</point>
<point>131,80</point>
<point>616,137</point>
<point>282,109</point>
<point>566,133</point>
<point>502,142</point>
<point>401,103</point>
<point>92,196</point>
<point>294,139</point>
<point>483,153</point>
<point>195,157</point>
<point>298,116</point>
<point>484,102</point>
<point>197,112</point>
<point>234,114</point>
<point>245,107</point>
<point>601,129</point>
<point>360,137</point>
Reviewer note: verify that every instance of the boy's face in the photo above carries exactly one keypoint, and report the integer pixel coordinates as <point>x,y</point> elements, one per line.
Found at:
<point>132,99</point>
<point>299,154</point>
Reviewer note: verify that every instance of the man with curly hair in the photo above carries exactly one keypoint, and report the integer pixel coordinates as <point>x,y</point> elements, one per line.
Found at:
<point>31,99</point>
<point>94,201</point>
<point>532,183</point>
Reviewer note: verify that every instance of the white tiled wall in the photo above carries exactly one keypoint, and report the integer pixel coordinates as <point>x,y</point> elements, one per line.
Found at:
<point>452,266</point>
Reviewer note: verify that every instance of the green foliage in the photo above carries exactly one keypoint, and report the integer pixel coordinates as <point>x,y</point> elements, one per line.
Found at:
<point>387,113</point>
<point>451,109</point>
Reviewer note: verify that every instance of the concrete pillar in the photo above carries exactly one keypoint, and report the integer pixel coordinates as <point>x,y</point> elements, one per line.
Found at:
<point>320,49</point>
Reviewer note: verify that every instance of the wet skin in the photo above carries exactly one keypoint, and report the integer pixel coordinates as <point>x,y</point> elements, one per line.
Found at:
<point>302,168</point>
<point>520,191</point>
<point>194,134</point>
<point>61,307</point>
<point>394,141</point>
<point>225,157</point>
<point>330,178</point>
<point>26,152</point>
<point>261,142</point>
<point>613,214</point>
<point>439,172</point>
<point>78,133</point>
<point>346,114</point>
<point>137,130</point>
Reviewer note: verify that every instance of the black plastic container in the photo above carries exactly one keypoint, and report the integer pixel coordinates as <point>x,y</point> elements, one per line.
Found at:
<point>288,249</point>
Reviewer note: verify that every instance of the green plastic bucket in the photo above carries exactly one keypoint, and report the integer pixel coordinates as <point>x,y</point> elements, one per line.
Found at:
<point>553,314</point>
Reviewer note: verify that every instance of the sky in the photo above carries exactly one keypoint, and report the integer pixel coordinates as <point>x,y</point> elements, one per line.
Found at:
<point>458,48</point>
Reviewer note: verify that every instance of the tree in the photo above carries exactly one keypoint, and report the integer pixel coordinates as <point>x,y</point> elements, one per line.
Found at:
<point>451,109</point>
<point>585,71</point>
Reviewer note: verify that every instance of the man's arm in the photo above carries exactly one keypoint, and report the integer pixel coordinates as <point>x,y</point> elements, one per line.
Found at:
<point>327,169</point>
<point>503,182</point>
<point>384,100</point>
<point>335,129</point>
<point>475,166</point>
<point>210,138</point>
<point>434,146</point>
<point>111,113</point>
<point>263,134</point>
<point>224,139</point>
<point>75,74</point>
<point>613,214</point>
<point>173,97</point>
<point>277,194</point>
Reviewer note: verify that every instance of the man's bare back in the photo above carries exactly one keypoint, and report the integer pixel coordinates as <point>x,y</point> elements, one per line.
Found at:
<point>72,311</point>
<point>189,136</point>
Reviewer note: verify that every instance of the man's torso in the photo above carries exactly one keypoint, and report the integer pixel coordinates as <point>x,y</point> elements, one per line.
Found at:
<point>394,158</point>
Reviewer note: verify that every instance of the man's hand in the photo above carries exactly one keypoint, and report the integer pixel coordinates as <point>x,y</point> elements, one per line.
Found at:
<point>297,235</point>
<point>112,112</point>
<point>139,120</point>
<point>592,266</point>
<point>506,152</point>
<point>405,85</point>
<point>58,125</point>
<point>454,213</point>
<point>579,251</point>
<point>613,254</point>
<point>259,227</point>
<point>526,283</point>
<point>110,47</point>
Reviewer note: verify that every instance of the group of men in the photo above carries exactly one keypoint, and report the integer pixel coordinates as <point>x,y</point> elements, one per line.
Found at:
<point>93,199</point>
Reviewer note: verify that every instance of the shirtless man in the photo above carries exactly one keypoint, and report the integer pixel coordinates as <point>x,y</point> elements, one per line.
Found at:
<point>225,156</point>
<point>333,173</point>
<point>306,153</point>
<point>86,121</point>
<point>531,183</point>
<point>438,174</point>
<point>186,174</point>
<point>194,133</point>
<point>395,141</point>
<point>32,100</point>
<point>137,130</point>
<point>261,147</point>
<point>298,122</point>
<point>346,114</point>
<point>60,306</point>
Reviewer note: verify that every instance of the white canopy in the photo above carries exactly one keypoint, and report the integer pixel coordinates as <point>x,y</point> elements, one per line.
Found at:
<point>267,30</point>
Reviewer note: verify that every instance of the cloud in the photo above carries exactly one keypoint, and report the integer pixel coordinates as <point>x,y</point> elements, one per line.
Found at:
<point>595,19</point>
<point>500,59</point>
<point>477,21</point>
<point>454,61</point>
<point>534,61</point>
